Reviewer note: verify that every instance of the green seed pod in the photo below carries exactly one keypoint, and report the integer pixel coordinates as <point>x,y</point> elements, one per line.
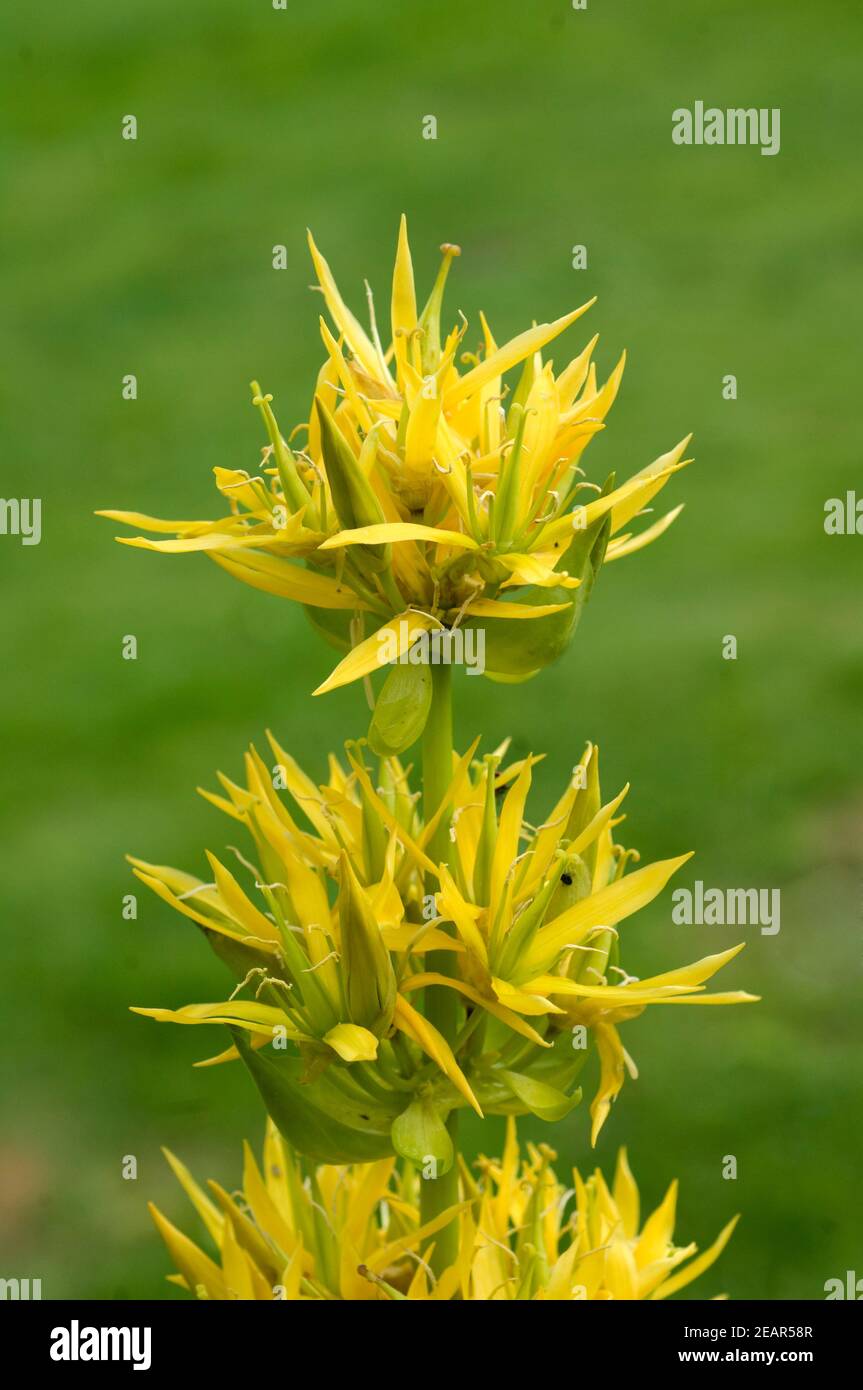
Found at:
<point>401,709</point>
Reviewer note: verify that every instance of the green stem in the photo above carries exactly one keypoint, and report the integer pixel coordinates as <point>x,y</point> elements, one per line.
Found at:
<point>441,1005</point>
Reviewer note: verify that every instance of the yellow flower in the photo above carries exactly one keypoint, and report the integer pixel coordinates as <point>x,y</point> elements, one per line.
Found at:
<point>354,1232</point>
<point>537,910</point>
<point>419,496</point>
<point>330,935</point>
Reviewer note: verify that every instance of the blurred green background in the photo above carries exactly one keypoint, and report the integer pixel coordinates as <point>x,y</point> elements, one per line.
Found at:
<point>154,258</point>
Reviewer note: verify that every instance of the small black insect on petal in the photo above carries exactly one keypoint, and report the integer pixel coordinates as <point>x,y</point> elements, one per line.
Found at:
<point>566,878</point>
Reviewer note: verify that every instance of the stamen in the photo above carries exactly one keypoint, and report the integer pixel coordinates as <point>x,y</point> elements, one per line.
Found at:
<point>333,955</point>
<point>191,892</point>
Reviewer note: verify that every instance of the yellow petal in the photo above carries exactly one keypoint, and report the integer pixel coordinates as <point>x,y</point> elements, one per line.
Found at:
<point>426,1036</point>
<point>626,1195</point>
<point>508,838</point>
<point>618,548</point>
<point>352,1043</point>
<point>509,355</point>
<point>403,315</point>
<point>530,569</point>
<point>238,1013</point>
<point>605,908</point>
<point>418,939</point>
<point>698,972</point>
<point>386,532</point>
<point>209,1214</point>
<point>355,335</point>
<point>637,993</point>
<point>494,608</point>
<point>421,435</point>
<point>522,1001</point>
<point>286,580</point>
<point>647,483</point>
<point>453,908</point>
<point>393,825</point>
<point>170,528</point>
<point>196,1268</point>
<point>232,1054</point>
<point>390,640</point>
<point>512,1020</point>
<point>240,907</point>
<point>612,1072</point>
<point>697,1267</point>
<point>624,502</point>
<point>236,1266</point>
<point>212,541</point>
<point>389,1253</point>
<point>264,1209</point>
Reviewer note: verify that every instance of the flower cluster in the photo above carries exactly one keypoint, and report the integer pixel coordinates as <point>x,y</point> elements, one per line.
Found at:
<point>420,497</point>
<point>355,1232</point>
<point>330,930</point>
<point>404,947</point>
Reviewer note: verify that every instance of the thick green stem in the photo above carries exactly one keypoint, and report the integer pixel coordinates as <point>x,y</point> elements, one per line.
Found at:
<point>441,1005</point>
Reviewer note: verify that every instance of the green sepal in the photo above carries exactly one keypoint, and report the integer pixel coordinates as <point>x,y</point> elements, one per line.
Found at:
<point>519,649</point>
<point>317,1119</point>
<point>507,678</point>
<point>333,624</point>
<point>237,956</point>
<point>541,1099</point>
<point>401,709</point>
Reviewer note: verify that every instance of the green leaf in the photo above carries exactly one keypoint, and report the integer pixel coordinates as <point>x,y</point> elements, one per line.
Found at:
<point>420,1135</point>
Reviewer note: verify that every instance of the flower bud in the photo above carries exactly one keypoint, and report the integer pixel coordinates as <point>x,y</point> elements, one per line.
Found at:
<point>366,968</point>
<point>353,495</point>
